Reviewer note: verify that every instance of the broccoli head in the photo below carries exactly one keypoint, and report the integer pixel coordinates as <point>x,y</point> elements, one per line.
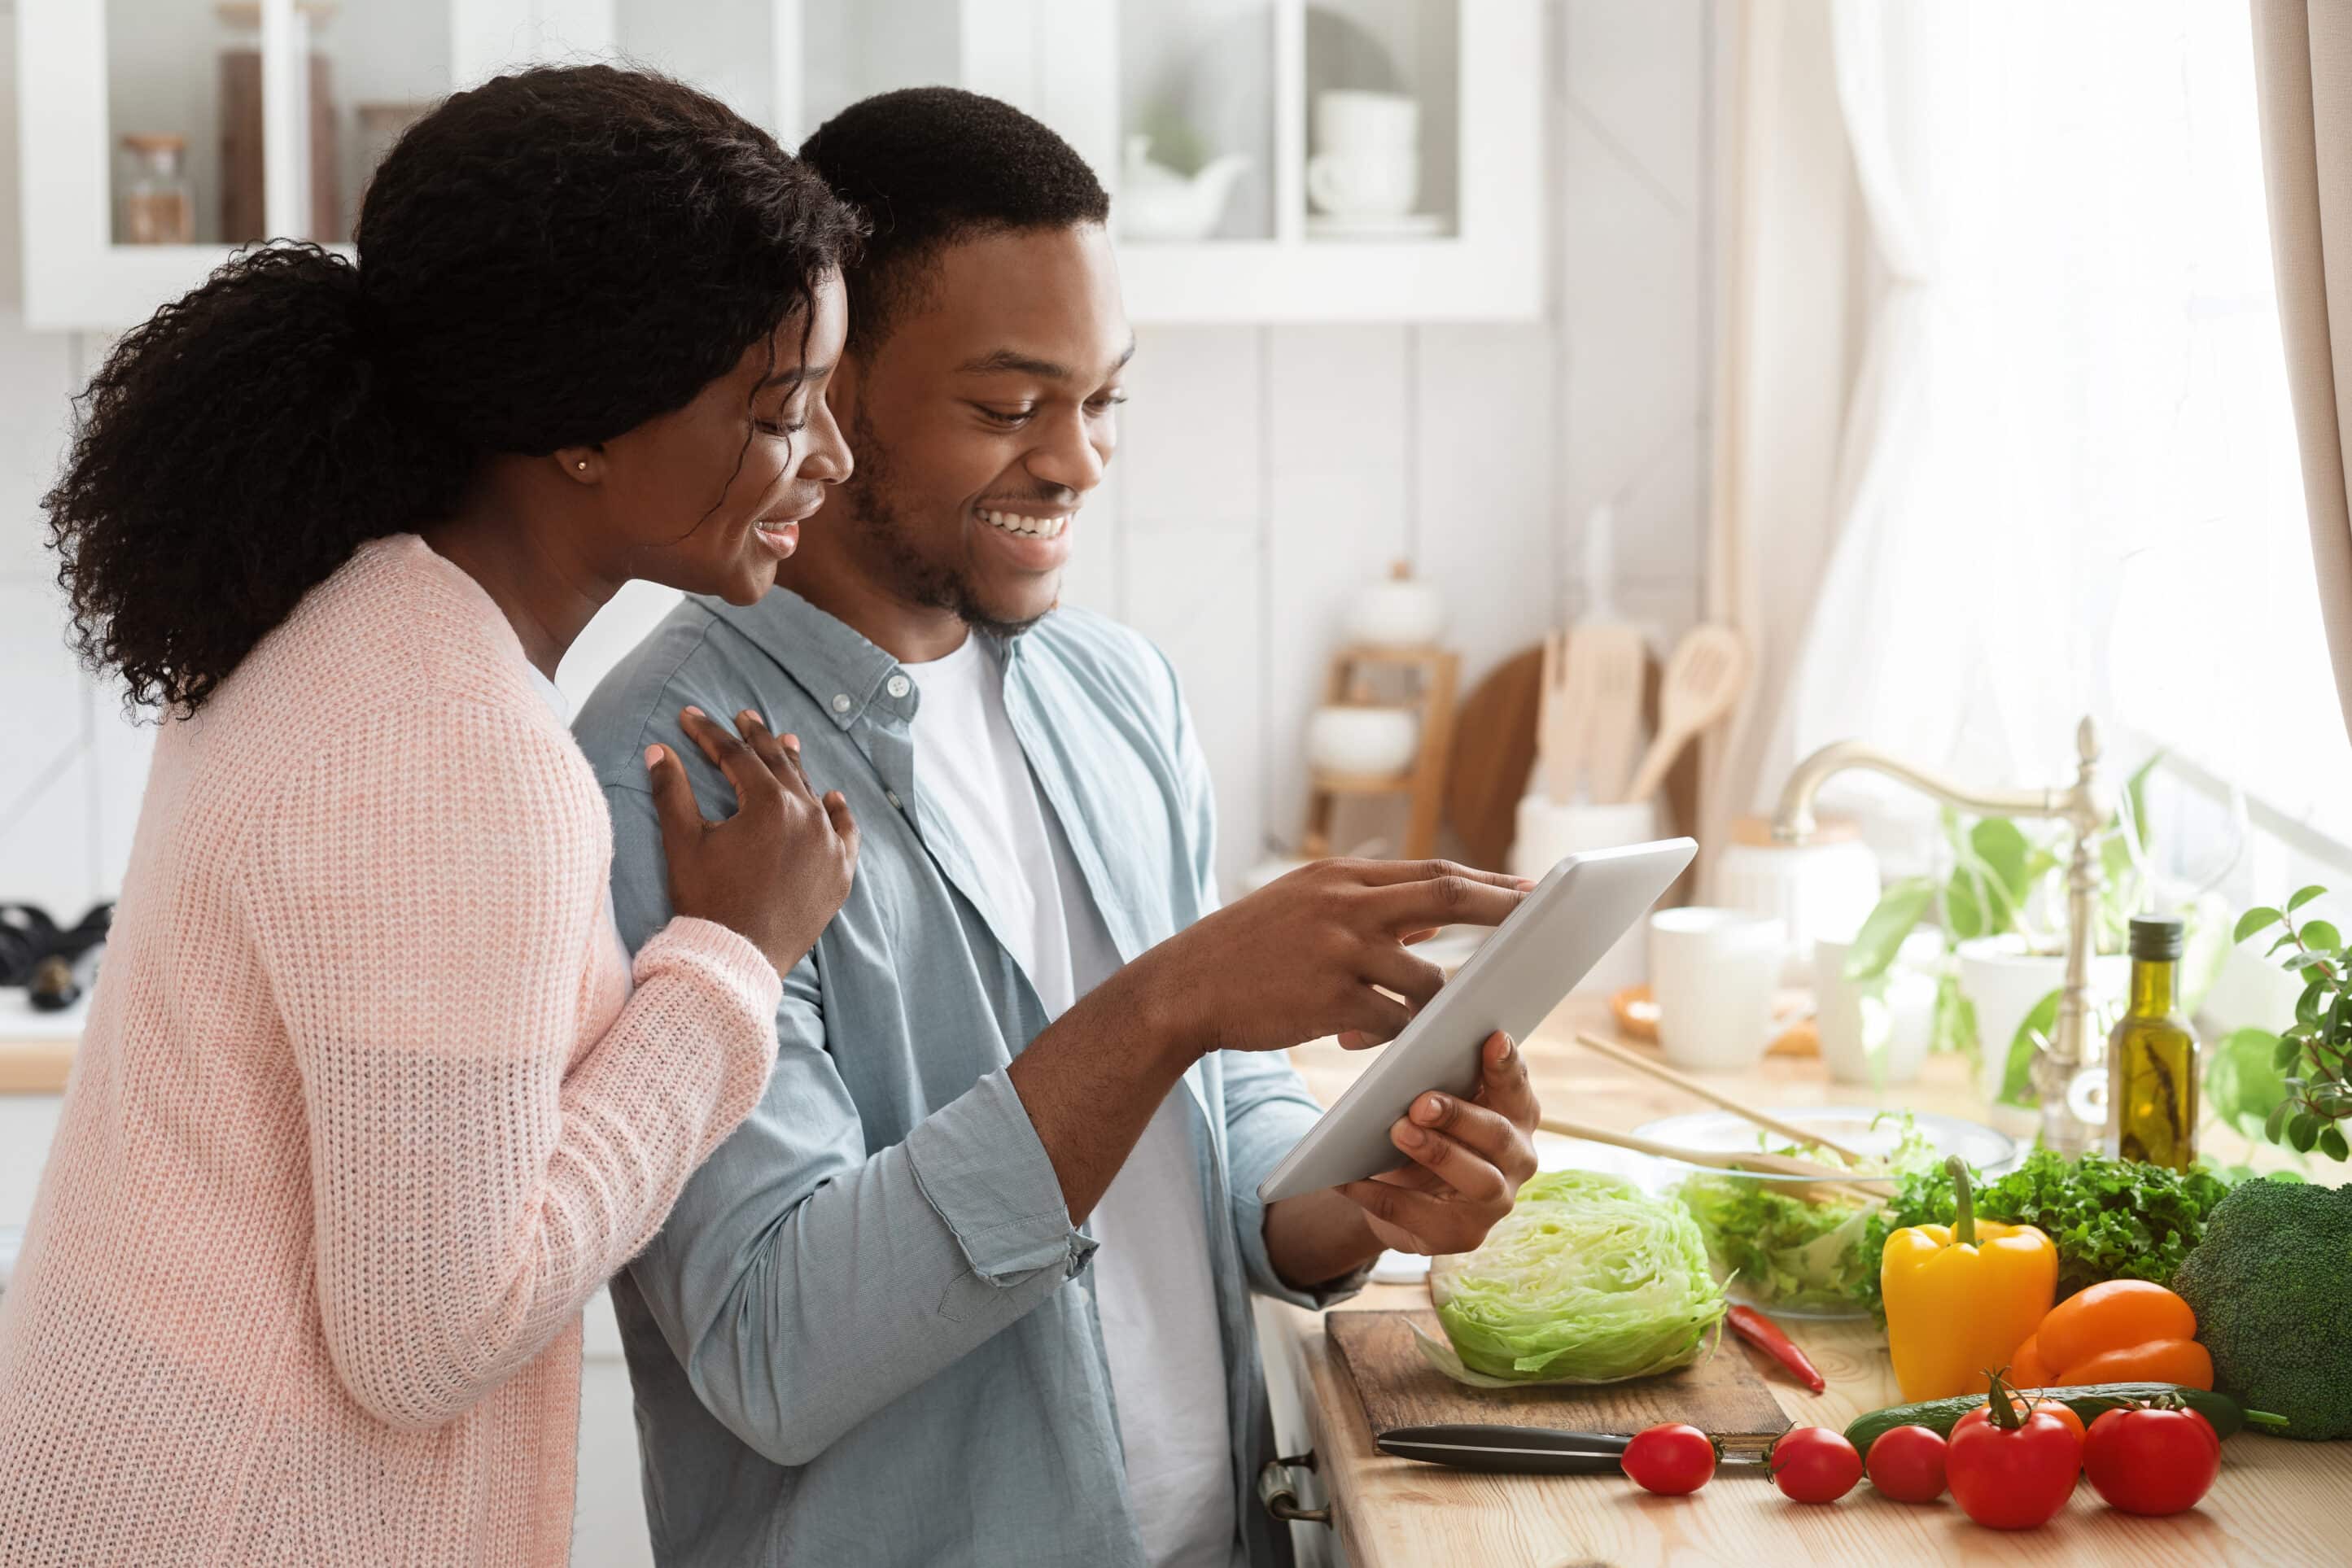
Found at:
<point>2272,1287</point>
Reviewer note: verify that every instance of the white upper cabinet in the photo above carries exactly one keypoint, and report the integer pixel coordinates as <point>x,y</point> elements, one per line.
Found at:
<point>1271,160</point>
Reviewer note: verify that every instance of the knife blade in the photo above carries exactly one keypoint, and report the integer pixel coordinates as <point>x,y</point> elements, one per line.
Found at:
<point>1523,1450</point>
<point>1509,1450</point>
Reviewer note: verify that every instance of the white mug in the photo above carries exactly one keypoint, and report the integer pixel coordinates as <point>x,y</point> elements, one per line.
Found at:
<point>1375,184</point>
<point>1713,973</point>
<point>1348,120</point>
<point>1874,1033</point>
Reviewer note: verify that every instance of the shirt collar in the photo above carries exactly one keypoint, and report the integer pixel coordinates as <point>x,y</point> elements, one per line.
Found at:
<point>842,672</point>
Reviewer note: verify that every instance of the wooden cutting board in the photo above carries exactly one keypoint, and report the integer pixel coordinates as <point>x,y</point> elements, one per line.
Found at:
<point>1723,1394</point>
<point>1494,747</point>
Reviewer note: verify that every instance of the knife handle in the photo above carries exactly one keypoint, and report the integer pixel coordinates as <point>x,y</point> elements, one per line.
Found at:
<point>1507,1450</point>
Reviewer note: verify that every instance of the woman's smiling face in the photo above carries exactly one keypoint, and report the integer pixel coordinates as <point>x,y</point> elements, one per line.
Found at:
<point>710,497</point>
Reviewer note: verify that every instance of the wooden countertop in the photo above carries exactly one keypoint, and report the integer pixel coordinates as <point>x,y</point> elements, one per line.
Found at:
<point>36,1049</point>
<point>2277,1501</point>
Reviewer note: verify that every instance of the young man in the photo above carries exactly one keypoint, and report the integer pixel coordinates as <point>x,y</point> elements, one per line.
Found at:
<point>972,1285</point>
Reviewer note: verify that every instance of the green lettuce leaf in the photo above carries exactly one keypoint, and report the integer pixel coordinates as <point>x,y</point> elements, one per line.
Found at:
<point>1586,1280</point>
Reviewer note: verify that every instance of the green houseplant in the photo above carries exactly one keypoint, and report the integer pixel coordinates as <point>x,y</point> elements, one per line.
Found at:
<point>2296,1077</point>
<point>2003,874</point>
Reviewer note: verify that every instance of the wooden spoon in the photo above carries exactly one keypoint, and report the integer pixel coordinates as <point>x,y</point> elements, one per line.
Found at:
<point>1704,679</point>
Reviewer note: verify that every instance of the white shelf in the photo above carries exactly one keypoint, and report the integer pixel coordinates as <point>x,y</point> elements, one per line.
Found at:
<point>1283,281</point>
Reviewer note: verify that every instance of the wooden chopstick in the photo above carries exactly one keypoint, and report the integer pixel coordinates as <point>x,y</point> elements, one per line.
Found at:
<point>1758,1163</point>
<point>1665,1074</point>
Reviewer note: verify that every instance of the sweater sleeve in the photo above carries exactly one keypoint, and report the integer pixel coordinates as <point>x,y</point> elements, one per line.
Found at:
<point>426,915</point>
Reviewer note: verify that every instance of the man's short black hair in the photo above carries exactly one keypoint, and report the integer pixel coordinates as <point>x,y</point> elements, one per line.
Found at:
<point>933,165</point>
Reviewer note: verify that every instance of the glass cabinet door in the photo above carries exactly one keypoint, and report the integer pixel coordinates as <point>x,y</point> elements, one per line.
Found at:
<point>1198,154</point>
<point>213,142</point>
<point>1382,104</point>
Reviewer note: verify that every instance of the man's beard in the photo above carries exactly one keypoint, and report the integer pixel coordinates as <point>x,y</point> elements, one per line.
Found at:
<point>875,512</point>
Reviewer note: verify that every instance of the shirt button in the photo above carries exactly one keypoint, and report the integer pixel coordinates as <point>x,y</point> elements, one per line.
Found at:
<point>898,685</point>
<point>841,702</point>
<point>891,795</point>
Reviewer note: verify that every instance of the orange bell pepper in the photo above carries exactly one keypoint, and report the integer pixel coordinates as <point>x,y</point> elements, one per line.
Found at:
<point>2124,1330</point>
<point>1960,1298</point>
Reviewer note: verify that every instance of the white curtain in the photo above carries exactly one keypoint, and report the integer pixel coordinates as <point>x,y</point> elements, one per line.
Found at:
<point>2057,460</point>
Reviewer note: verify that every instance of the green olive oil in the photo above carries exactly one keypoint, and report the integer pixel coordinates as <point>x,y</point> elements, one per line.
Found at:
<point>2152,1057</point>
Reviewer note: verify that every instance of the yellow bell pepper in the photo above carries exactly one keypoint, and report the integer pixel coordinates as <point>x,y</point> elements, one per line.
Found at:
<point>1961,1298</point>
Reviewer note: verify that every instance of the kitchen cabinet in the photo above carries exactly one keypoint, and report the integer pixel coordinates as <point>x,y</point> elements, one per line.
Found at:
<point>156,136</point>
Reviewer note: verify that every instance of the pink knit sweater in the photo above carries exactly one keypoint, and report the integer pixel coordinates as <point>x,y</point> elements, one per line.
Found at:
<point>365,1111</point>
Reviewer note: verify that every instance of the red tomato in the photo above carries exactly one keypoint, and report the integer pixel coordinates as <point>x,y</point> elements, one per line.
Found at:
<point>2152,1461</point>
<point>1813,1464</point>
<point>1982,1416</point>
<point>1907,1464</point>
<point>2014,1478</point>
<point>1670,1460</point>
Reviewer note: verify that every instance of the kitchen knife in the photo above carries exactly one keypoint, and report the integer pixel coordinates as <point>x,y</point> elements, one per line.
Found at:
<point>1510,1450</point>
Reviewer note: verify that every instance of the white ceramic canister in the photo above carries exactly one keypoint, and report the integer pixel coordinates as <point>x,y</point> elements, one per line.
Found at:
<point>1402,612</point>
<point>1824,887</point>
<point>1547,832</point>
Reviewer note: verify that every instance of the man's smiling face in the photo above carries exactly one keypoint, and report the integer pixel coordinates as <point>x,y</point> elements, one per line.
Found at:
<point>983,421</point>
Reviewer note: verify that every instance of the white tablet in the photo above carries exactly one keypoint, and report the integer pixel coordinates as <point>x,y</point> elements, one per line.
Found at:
<point>1512,982</point>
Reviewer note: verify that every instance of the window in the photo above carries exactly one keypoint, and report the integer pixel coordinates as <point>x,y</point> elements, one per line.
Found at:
<point>2099,508</point>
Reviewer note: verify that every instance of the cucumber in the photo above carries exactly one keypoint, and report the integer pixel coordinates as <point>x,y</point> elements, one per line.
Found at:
<point>1941,1415</point>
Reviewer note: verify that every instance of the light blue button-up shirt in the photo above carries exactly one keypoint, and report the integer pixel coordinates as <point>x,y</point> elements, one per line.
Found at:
<point>867,1334</point>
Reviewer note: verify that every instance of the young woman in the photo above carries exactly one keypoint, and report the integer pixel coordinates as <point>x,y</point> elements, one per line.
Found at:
<point>371,1101</point>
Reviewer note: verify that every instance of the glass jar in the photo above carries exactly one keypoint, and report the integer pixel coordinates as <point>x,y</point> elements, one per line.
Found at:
<point>159,206</point>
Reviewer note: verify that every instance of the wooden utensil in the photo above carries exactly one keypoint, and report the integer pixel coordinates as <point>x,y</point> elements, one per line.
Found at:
<point>1560,724</point>
<point>1723,1394</point>
<point>1755,1161</point>
<point>1494,751</point>
<point>1703,680</point>
<point>1714,1096</point>
<point>1615,663</point>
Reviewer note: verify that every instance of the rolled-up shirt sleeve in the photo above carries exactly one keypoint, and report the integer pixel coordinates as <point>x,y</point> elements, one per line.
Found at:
<point>804,1281</point>
<point>1268,1111</point>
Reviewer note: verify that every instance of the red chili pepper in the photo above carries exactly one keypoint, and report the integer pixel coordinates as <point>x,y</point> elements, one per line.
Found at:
<point>1765,1335</point>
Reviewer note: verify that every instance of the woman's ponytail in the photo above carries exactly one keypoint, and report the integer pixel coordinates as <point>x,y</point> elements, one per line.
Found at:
<point>230,454</point>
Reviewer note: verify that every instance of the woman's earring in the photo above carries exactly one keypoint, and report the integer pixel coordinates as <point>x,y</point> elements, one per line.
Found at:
<point>580,464</point>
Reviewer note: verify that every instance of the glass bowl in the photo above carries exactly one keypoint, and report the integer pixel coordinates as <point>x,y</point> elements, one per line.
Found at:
<point>1790,1245</point>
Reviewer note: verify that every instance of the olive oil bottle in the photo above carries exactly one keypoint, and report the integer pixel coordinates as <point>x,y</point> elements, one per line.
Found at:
<point>2152,1057</point>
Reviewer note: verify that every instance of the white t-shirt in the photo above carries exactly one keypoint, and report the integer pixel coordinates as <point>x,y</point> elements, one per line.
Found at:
<point>1153,1288</point>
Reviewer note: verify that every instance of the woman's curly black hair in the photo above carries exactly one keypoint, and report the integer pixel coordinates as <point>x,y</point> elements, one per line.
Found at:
<point>547,260</point>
